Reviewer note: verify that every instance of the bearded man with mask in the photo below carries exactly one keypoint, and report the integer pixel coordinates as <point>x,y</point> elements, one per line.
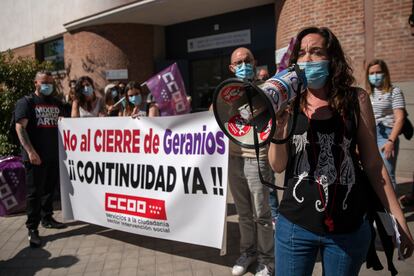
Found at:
<point>36,126</point>
<point>250,196</point>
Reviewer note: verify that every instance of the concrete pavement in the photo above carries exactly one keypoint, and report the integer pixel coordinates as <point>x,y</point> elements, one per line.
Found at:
<point>85,249</point>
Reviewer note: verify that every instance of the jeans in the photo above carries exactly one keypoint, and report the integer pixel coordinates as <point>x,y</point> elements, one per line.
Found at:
<point>274,203</point>
<point>296,250</point>
<point>251,198</point>
<point>40,186</point>
<point>383,133</point>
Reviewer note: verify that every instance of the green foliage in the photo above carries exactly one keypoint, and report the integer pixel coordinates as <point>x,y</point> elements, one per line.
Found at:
<point>16,80</point>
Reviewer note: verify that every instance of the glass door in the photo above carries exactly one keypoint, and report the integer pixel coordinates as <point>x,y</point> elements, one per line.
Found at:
<point>206,74</point>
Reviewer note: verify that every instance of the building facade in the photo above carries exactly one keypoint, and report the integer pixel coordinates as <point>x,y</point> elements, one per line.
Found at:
<point>132,40</point>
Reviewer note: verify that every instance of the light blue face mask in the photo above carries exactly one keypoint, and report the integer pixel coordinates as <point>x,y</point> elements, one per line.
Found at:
<point>135,100</point>
<point>46,89</point>
<point>376,79</point>
<point>87,90</point>
<point>316,73</point>
<point>244,71</point>
<point>114,93</point>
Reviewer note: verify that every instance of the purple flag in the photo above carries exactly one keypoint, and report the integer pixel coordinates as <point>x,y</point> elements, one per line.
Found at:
<point>284,63</point>
<point>168,89</point>
<point>12,185</point>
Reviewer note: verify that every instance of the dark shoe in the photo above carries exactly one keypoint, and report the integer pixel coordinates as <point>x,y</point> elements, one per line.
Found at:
<point>52,223</point>
<point>34,238</point>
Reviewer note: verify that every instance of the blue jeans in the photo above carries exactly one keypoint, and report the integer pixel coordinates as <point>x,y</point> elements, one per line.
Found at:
<point>296,250</point>
<point>274,203</point>
<point>383,133</point>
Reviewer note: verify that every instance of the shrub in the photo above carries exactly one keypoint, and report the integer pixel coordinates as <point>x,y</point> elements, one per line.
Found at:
<point>16,80</point>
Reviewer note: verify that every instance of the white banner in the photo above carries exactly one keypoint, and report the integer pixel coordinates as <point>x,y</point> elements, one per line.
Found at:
<point>162,177</point>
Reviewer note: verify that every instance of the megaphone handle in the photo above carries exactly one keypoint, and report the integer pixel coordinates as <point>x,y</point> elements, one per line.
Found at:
<point>294,118</point>
<point>256,148</point>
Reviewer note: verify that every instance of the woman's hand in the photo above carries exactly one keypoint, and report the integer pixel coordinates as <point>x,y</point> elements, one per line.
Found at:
<point>109,108</point>
<point>388,149</point>
<point>135,116</point>
<point>407,243</point>
<point>282,119</point>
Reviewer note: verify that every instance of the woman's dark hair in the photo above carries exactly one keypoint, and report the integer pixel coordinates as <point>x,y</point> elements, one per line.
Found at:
<point>341,94</point>
<point>131,85</point>
<point>121,88</point>
<point>387,78</point>
<point>78,92</point>
<point>109,99</point>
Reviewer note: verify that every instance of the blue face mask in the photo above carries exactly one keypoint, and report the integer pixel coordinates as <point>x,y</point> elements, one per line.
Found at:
<point>244,71</point>
<point>376,79</point>
<point>87,90</point>
<point>114,93</point>
<point>46,89</point>
<point>135,100</point>
<point>316,73</point>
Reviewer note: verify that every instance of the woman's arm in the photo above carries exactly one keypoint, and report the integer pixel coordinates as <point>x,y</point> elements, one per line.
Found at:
<point>153,110</point>
<point>388,147</point>
<point>75,109</point>
<point>376,171</point>
<point>102,107</point>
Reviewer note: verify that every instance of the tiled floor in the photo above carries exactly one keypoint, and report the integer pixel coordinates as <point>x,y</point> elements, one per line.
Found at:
<point>84,249</point>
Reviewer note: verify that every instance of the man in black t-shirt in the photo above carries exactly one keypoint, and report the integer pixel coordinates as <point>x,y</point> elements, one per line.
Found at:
<point>36,126</point>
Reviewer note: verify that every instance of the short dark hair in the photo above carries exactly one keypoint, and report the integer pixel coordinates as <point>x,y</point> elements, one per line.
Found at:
<point>340,80</point>
<point>42,72</point>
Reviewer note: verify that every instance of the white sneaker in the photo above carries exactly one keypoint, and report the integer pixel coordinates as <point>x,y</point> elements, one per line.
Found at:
<point>242,263</point>
<point>263,270</point>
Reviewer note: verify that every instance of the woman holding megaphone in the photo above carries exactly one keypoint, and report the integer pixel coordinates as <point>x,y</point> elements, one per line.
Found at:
<point>324,204</point>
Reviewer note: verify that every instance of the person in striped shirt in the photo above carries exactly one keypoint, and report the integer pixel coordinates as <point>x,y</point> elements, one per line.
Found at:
<point>388,105</point>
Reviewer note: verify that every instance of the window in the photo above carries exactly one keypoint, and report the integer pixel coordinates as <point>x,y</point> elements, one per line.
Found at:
<point>52,51</point>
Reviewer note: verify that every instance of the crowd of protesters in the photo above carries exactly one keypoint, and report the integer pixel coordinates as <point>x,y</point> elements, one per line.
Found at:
<point>310,219</point>
<point>118,99</point>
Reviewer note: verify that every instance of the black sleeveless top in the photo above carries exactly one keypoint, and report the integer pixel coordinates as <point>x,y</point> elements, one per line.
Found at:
<point>323,194</point>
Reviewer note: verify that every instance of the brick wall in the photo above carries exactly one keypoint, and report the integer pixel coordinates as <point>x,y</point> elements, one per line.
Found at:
<point>93,50</point>
<point>344,17</point>
<point>25,51</point>
<point>392,38</point>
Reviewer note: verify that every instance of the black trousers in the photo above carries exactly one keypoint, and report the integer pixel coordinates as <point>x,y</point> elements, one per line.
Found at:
<point>40,185</point>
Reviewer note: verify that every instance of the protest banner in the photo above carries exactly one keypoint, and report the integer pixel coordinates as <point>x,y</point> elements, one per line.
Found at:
<point>163,177</point>
<point>168,89</point>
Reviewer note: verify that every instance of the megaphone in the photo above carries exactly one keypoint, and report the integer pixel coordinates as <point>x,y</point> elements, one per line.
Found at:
<point>242,108</point>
